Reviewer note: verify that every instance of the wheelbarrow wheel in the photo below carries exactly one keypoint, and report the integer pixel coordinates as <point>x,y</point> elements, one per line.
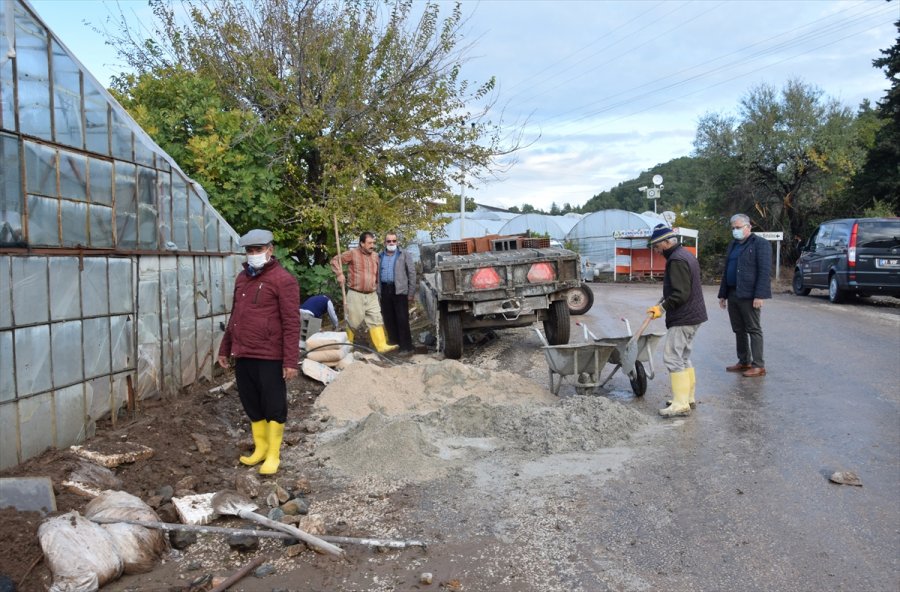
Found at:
<point>584,379</point>
<point>638,379</point>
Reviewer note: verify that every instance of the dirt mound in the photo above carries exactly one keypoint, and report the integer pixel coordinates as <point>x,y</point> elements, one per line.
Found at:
<point>417,423</point>
<point>420,388</point>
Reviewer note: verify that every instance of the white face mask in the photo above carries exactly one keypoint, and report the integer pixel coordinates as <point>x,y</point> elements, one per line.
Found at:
<point>738,233</point>
<point>257,261</point>
<point>391,248</point>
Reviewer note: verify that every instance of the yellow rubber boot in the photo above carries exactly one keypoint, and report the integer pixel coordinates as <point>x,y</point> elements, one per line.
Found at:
<point>273,454</point>
<point>681,389</point>
<point>349,335</point>
<point>379,340</point>
<point>260,440</point>
<point>691,400</point>
<point>693,378</point>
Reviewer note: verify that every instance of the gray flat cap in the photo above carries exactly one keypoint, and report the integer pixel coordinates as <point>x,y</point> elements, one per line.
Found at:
<point>257,236</point>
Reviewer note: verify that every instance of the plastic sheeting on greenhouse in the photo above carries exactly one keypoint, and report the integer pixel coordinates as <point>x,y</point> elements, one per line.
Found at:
<point>599,234</point>
<point>538,224</point>
<point>115,271</point>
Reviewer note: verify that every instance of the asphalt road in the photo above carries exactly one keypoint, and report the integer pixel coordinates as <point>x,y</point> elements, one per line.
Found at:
<point>737,496</point>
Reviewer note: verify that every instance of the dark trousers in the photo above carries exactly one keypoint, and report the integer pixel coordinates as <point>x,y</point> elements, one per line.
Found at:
<point>395,312</point>
<point>745,322</point>
<point>261,388</point>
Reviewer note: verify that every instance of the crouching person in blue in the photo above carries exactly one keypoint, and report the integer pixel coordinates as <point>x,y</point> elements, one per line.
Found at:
<point>685,311</point>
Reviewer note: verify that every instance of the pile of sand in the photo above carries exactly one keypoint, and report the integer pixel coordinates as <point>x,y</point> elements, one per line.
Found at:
<point>362,389</point>
<point>419,422</point>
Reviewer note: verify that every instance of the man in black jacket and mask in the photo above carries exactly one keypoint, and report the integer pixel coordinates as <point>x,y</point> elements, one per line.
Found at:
<point>685,310</point>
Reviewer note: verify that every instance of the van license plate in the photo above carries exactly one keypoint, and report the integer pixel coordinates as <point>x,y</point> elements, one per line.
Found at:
<point>887,263</point>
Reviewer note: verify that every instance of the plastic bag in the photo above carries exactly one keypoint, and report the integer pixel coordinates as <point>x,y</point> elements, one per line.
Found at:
<point>81,554</point>
<point>139,547</point>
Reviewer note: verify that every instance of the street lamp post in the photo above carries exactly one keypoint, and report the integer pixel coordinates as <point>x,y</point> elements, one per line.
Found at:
<point>654,192</point>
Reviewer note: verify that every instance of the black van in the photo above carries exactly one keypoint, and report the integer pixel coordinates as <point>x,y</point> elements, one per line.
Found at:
<point>852,256</point>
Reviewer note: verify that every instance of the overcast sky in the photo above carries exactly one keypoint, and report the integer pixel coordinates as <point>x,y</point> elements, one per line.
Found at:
<point>610,89</point>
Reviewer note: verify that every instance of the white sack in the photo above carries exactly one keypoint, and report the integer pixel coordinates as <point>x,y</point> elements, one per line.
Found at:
<point>81,554</point>
<point>140,548</point>
<point>326,338</point>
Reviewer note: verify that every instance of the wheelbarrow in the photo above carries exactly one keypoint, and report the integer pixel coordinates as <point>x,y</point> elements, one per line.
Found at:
<point>585,361</point>
<point>630,355</point>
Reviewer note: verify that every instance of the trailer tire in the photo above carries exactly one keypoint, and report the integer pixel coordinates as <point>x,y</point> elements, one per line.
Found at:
<point>580,299</point>
<point>556,325</point>
<point>453,335</point>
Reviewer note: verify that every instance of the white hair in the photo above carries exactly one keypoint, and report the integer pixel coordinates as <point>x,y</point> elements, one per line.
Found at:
<point>744,218</point>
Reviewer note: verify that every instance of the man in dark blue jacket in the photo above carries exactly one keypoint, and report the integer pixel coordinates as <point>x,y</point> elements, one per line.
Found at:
<point>745,284</point>
<point>685,311</point>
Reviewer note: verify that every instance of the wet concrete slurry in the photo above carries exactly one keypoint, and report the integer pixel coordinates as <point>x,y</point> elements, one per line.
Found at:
<point>737,497</point>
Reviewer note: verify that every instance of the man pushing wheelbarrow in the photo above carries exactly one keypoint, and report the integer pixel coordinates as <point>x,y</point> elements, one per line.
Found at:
<point>685,311</point>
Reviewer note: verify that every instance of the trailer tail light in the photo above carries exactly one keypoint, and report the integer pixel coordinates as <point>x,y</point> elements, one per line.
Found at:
<point>541,272</point>
<point>485,278</point>
<point>851,250</point>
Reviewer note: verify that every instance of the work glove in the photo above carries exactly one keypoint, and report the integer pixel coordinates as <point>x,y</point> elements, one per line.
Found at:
<point>655,311</point>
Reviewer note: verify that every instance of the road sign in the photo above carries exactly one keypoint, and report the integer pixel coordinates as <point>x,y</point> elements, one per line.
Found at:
<point>772,236</point>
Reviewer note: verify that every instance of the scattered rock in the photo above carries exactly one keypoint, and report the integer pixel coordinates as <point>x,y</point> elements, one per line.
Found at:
<point>247,484</point>
<point>166,492</point>
<point>276,514</point>
<point>296,506</point>
<point>426,578</point>
<point>264,570</point>
<point>314,524</point>
<point>301,486</point>
<point>282,494</point>
<point>243,542</point>
<point>272,500</point>
<point>186,483</point>
<point>295,550</point>
<point>203,444</point>
<point>181,539</point>
<point>194,566</point>
<point>154,501</point>
<point>95,477</point>
<point>845,478</point>
<point>167,512</point>
<point>293,439</point>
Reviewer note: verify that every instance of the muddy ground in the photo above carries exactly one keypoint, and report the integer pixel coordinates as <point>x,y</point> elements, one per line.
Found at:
<point>395,496</point>
<point>169,427</point>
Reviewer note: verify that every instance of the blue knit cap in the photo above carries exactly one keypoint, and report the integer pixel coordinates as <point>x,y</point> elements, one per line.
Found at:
<point>660,233</point>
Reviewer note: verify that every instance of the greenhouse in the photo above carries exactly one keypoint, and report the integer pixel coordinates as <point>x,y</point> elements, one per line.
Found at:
<point>116,274</point>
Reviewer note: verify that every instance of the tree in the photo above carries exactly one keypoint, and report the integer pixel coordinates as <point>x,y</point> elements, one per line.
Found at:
<point>216,144</point>
<point>368,116</point>
<point>782,158</point>
<point>879,180</point>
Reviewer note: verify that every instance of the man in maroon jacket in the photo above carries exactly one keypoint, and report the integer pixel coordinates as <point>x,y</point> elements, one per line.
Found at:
<point>263,336</point>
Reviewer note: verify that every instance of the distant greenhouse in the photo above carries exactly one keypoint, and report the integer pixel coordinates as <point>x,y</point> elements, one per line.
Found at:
<point>116,271</point>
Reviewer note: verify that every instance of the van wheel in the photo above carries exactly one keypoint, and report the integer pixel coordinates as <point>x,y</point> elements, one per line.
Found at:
<point>797,284</point>
<point>835,294</point>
